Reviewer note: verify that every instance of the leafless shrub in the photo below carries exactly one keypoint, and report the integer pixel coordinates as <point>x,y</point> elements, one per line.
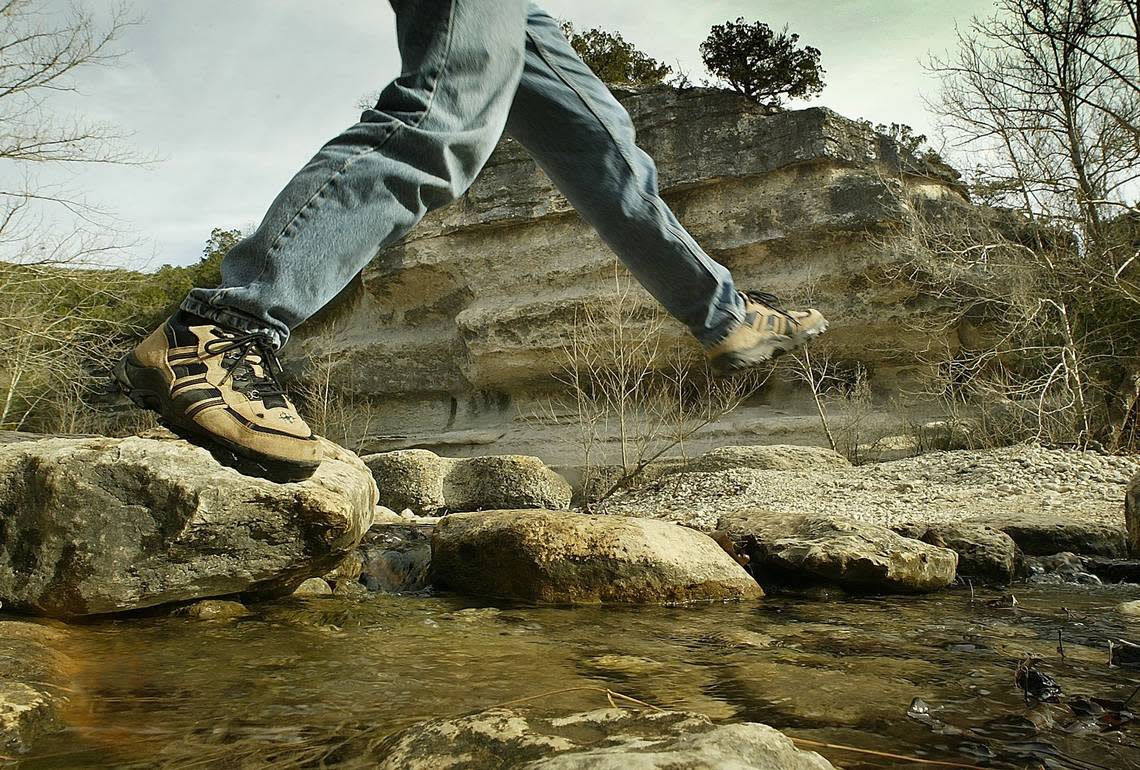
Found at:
<point>56,336</point>
<point>841,392</point>
<point>334,409</point>
<point>1037,298</point>
<point>631,399</point>
<point>1024,337</point>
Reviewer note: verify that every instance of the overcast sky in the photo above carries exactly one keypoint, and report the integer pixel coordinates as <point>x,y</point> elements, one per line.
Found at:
<point>233,96</point>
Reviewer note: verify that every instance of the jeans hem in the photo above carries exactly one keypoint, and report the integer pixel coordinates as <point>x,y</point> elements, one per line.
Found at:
<point>231,319</point>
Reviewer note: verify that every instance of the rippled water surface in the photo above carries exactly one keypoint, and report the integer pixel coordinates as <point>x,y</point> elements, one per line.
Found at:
<point>306,679</point>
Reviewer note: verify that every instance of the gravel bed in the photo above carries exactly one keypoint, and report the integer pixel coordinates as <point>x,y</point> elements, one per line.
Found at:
<point>973,485</point>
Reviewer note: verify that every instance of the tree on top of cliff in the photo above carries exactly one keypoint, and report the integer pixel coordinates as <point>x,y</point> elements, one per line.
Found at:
<point>761,64</point>
<point>615,60</point>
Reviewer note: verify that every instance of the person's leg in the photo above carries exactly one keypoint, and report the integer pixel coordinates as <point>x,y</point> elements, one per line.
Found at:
<point>582,137</point>
<point>420,147</point>
<point>211,369</point>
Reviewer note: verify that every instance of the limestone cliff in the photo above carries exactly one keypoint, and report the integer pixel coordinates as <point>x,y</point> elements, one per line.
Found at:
<point>452,332</point>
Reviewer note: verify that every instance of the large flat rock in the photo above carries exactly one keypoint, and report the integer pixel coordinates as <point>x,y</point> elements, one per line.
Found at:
<point>808,549</point>
<point>570,558</point>
<point>1045,534</point>
<point>773,457</point>
<point>102,525</point>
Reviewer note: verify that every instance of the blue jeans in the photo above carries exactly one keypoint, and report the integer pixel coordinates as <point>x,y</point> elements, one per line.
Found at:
<point>471,69</point>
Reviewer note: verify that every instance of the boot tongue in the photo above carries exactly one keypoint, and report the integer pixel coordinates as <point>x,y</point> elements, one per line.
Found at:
<point>252,374</point>
<point>260,379</point>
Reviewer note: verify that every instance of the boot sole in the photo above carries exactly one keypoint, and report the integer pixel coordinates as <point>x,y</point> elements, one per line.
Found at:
<point>729,363</point>
<point>146,389</point>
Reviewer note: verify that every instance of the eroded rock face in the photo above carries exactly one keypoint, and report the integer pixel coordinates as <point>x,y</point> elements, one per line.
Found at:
<point>807,549</point>
<point>985,554</point>
<point>457,331</point>
<point>100,525</point>
<point>570,558</point>
<point>609,739</point>
<point>1132,514</point>
<point>428,484</point>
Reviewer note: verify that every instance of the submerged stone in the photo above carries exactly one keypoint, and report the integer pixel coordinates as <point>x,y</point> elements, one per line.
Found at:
<point>34,682</point>
<point>572,558</point>
<point>607,739</point>
<point>102,525</point>
<point>213,609</point>
<point>807,549</point>
<point>314,587</point>
<point>1132,608</point>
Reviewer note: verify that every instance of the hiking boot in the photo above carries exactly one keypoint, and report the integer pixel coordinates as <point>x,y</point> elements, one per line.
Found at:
<point>767,332</point>
<point>222,385</point>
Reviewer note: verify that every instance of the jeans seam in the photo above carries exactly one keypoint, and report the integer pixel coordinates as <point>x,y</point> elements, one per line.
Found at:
<point>653,201</point>
<point>396,125</point>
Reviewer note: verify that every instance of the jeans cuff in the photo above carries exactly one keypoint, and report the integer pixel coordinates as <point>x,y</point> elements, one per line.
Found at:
<point>231,319</point>
<point>716,335</point>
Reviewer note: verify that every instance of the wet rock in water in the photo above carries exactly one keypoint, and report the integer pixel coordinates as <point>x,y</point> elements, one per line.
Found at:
<point>1123,653</point>
<point>985,554</point>
<point>1113,570</point>
<point>1036,684</point>
<point>802,549</point>
<point>100,525</point>
<point>396,558</point>
<point>846,694</point>
<point>1132,514</point>
<point>776,457</point>
<point>213,609</point>
<point>1131,609</point>
<point>426,483</point>
<point>348,571</point>
<point>608,739</point>
<point>1058,569</point>
<point>1044,535</point>
<point>314,587</point>
<point>571,558</point>
<point>34,679</point>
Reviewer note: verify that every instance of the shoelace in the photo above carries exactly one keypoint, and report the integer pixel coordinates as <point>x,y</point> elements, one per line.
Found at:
<point>770,301</point>
<point>245,344</point>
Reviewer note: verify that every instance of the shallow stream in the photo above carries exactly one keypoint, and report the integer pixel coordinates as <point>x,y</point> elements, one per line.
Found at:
<point>308,681</point>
